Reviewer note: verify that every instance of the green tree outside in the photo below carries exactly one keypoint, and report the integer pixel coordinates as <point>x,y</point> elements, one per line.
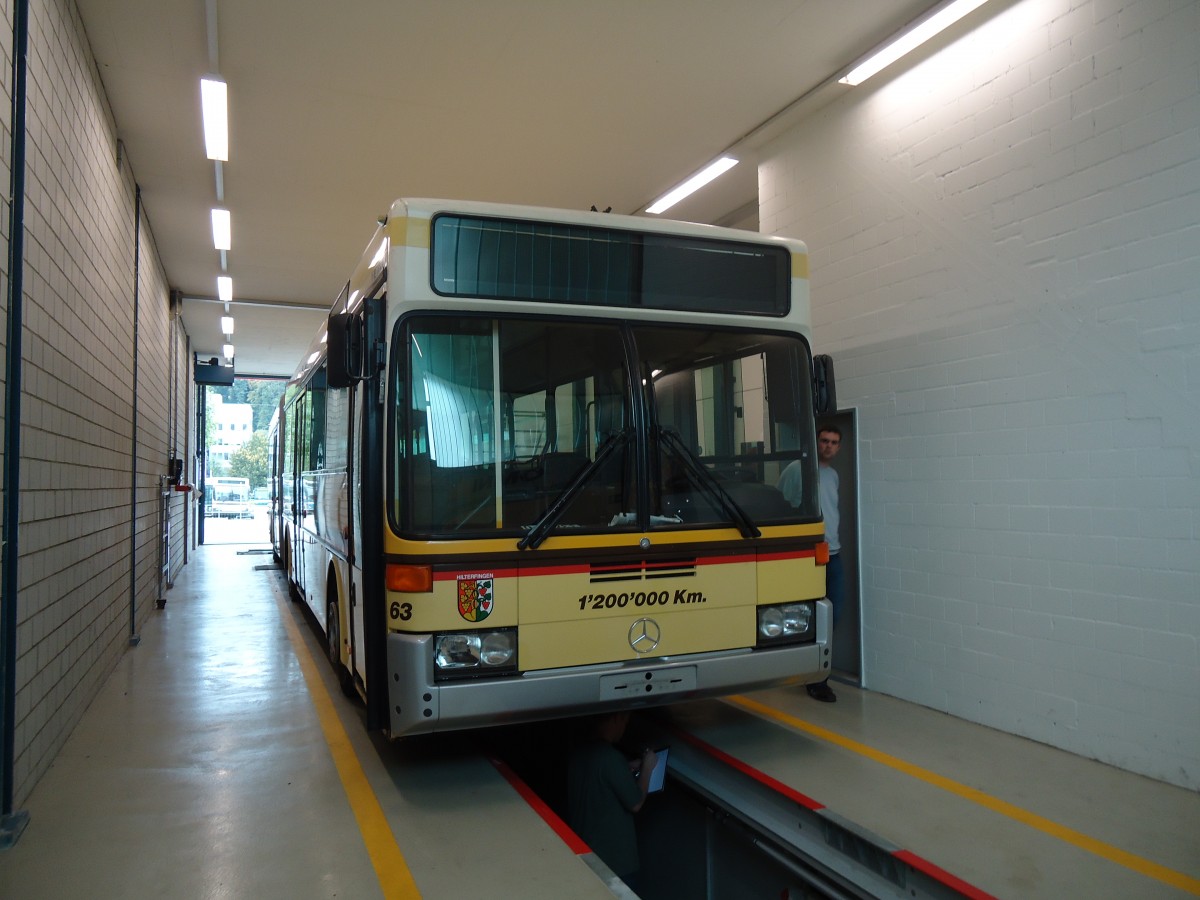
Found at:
<point>261,393</point>
<point>263,396</point>
<point>250,460</point>
<point>209,428</point>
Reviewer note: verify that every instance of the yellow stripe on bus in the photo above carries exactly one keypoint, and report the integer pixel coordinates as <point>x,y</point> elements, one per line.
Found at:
<point>409,232</point>
<point>624,540</point>
<point>1033,820</point>
<point>395,879</point>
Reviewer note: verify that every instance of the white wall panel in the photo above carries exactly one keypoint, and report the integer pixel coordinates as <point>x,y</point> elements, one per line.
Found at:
<point>1005,246</point>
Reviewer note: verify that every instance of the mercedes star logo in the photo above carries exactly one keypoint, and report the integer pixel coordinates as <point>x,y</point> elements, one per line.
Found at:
<point>644,635</point>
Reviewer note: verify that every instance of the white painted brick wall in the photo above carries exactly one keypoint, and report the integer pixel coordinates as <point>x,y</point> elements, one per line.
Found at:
<point>1005,247</point>
<point>77,428</point>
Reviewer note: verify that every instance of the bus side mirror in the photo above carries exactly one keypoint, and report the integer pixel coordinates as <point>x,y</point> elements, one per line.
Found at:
<point>824,390</point>
<point>344,349</point>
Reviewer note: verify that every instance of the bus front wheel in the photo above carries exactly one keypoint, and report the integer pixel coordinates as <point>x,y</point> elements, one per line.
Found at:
<point>333,644</point>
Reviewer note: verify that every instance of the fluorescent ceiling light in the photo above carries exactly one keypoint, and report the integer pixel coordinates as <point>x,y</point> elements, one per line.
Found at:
<point>227,325</point>
<point>910,40</point>
<point>693,184</point>
<point>214,105</point>
<point>228,351</point>
<point>225,289</point>
<point>222,230</point>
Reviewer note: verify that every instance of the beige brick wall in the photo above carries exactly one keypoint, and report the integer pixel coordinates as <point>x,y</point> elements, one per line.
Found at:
<point>80,443</point>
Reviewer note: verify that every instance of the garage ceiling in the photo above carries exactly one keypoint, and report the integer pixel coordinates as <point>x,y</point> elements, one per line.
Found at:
<point>336,109</point>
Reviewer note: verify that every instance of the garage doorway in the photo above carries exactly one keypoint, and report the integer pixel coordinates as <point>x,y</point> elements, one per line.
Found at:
<point>233,448</point>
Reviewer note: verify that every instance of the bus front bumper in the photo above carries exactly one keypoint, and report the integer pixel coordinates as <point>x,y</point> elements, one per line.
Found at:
<point>419,705</point>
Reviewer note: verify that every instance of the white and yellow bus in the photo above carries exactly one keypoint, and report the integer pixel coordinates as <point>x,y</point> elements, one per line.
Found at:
<point>228,498</point>
<point>529,469</point>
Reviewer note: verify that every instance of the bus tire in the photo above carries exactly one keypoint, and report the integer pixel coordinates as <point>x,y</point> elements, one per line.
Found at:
<point>293,593</point>
<point>333,646</point>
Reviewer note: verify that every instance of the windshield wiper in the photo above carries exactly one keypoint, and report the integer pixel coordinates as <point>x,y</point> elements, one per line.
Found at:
<point>709,483</point>
<point>541,528</point>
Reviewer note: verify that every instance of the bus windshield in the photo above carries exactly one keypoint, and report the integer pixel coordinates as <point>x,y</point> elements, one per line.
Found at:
<point>229,497</point>
<point>510,425</point>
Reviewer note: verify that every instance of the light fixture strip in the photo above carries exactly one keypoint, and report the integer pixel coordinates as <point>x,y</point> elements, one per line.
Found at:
<point>227,326</point>
<point>215,108</point>
<point>225,288</point>
<point>693,184</point>
<point>222,229</point>
<point>910,40</point>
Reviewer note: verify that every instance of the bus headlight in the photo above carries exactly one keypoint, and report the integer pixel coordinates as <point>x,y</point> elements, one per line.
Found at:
<point>498,649</point>
<point>457,651</point>
<point>786,622</point>
<point>475,652</point>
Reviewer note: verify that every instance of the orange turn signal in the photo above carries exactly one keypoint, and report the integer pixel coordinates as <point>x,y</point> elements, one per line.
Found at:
<point>410,579</point>
<point>822,553</point>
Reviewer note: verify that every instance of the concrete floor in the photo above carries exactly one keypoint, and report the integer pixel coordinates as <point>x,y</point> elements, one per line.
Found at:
<point>219,760</point>
<point>202,770</point>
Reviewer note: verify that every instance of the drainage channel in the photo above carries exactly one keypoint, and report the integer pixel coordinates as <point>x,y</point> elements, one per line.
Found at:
<point>721,829</point>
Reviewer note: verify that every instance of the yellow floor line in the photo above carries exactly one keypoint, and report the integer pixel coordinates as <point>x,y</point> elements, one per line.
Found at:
<point>395,879</point>
<point>1033,820</point>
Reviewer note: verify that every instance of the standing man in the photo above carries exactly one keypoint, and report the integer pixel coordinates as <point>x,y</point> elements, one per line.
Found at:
<point>829,441</point>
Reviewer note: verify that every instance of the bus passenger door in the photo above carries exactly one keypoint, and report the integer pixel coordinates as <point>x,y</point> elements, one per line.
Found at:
<point>313,483</point>
<point>312,568</point>
<point>300,540</point>
<point>289,513</point>
<point>358,642</point>
<point>358,658</point>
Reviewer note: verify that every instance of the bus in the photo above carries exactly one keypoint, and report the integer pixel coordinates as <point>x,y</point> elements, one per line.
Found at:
<point>528,467</point>
<point>274,510</point>
<point>228,498</point>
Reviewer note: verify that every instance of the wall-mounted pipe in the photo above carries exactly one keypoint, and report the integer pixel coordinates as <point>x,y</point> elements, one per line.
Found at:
<point>173,412</point>
<point>134,638</point>
<point>13,823</point>
<point>190,507</point>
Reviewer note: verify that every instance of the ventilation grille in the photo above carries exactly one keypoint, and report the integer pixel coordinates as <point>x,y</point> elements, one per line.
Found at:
<point>643,570</point>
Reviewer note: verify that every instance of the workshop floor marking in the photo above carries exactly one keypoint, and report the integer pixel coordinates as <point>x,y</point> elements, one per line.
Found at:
<point>1033,820</point>
<point>395,879</point>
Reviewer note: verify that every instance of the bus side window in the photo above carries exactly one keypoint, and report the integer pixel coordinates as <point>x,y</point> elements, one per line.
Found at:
<point>316,438</point>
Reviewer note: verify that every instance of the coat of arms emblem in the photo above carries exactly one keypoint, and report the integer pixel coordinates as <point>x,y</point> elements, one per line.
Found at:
<point>475,597</point>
